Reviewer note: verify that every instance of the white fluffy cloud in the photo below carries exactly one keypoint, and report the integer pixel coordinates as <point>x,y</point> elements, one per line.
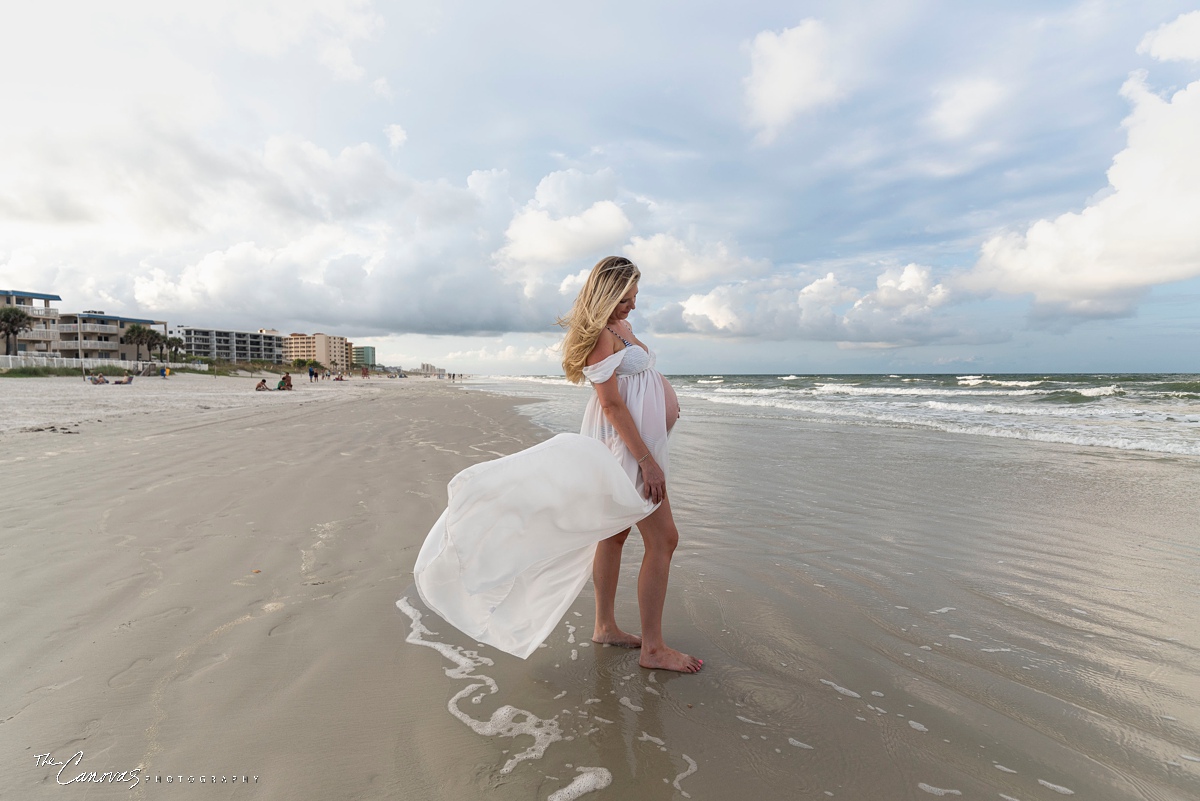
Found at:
<point>569,192</point>
<point>1140,233</point>
<point>396,136</point>
<point>1178,40</point>
<point>668,261</point>
<point>898,311</point>
<point>539,243</point>
<point>571,218</point>
<point>790,72</point>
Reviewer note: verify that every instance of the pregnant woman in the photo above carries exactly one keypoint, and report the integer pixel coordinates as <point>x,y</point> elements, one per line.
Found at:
<point>520,534</point>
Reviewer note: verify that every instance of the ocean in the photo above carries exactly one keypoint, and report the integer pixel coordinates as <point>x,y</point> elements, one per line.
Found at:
<point>1158,413</point>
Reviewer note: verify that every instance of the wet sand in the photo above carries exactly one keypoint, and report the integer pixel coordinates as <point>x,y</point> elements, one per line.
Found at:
<point>211,592</point>
<point>882,614</point>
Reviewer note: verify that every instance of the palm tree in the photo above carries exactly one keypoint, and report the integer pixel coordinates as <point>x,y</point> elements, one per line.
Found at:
<point>176,345</point>
<point>136,335</point>
<point>155,339</point>
<point>13,322</point>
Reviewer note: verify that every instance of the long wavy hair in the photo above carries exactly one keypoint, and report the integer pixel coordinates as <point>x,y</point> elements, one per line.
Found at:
<point>607,283</point>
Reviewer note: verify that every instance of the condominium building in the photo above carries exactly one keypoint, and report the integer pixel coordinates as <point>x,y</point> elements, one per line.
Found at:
<point>364,356</point>
<point>95,335</point>
<point>430,370</point>
<point>43,338</point>
<point>85,335</point>
<point>333,352</point>
<point>231,346</point>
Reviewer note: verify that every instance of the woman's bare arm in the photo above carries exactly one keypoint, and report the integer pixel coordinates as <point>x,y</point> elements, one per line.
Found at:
<point>617,413</point>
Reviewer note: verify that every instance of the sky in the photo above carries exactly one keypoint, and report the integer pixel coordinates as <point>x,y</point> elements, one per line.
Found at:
<point>883,186</point>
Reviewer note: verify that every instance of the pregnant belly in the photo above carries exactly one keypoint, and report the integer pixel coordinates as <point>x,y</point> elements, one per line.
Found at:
<point>672,402</point>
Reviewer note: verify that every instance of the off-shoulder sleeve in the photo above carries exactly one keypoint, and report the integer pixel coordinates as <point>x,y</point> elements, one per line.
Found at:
<point>600,372</point>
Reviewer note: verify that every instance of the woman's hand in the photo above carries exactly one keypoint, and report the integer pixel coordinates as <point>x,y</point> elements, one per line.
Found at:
<point>654,481</point>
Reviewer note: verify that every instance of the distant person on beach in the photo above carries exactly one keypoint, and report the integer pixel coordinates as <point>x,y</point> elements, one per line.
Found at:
<point>523,532</point>
<point>262,386</point>
<point>285,382</point>
<point>128,379</point>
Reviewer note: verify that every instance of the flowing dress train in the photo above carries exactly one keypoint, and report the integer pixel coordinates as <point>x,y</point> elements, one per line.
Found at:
<point>514,546</point>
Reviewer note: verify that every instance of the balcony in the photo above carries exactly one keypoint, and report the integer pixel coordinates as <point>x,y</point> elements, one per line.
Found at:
<point>88,328</point>
<point>38,311</point>
<point>88,344</point>
<point>39,333</point>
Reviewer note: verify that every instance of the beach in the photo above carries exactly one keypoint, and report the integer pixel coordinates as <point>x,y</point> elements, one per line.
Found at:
<point>202,582</point>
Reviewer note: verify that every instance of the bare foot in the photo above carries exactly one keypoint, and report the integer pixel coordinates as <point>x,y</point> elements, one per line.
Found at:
<point>670,659</point>
<point>617,637</point>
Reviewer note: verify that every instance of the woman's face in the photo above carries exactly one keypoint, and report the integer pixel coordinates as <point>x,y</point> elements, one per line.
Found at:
<point>627,304</point>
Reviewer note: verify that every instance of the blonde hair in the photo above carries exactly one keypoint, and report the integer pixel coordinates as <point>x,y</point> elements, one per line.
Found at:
<point>607,283</point>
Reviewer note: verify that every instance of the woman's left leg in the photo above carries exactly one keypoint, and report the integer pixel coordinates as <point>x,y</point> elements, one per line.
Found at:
<point>606,569</point>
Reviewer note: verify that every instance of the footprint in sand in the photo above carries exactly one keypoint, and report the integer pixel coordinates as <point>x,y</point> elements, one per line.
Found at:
<point>284,627</point>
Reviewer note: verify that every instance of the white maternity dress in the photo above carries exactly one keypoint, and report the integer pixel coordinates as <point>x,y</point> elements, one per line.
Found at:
<point>514,547</point>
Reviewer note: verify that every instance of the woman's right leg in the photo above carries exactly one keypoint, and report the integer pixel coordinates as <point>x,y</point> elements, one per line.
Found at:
<point>606,569</point>
<point>660,537</point>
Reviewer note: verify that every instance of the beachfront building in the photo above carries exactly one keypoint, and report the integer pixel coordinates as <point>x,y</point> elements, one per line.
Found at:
<point>42,339</point>
<point>364,356</point>
<point>331,351</point>
<point>95,335</point>
<point>429,371</point>
<point>231,346</point>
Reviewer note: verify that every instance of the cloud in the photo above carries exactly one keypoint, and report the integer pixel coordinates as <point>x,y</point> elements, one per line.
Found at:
<point>289,234</point>
<point>308,180</point>
<point>233,163</point>
<point>339,58</point>
<point>539,243</point>
<point>1140,233</point>
<point>898,311</point>
<point>550,354</point>
<point>273,27</point>
<point>790,73</point>
<point>667,261</point>
<point>382,88</point>
<point>396,135</point>
<point>963,105</point>
<point>570,219</point>
<point>1178,40</point>
<point>572,191</point>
